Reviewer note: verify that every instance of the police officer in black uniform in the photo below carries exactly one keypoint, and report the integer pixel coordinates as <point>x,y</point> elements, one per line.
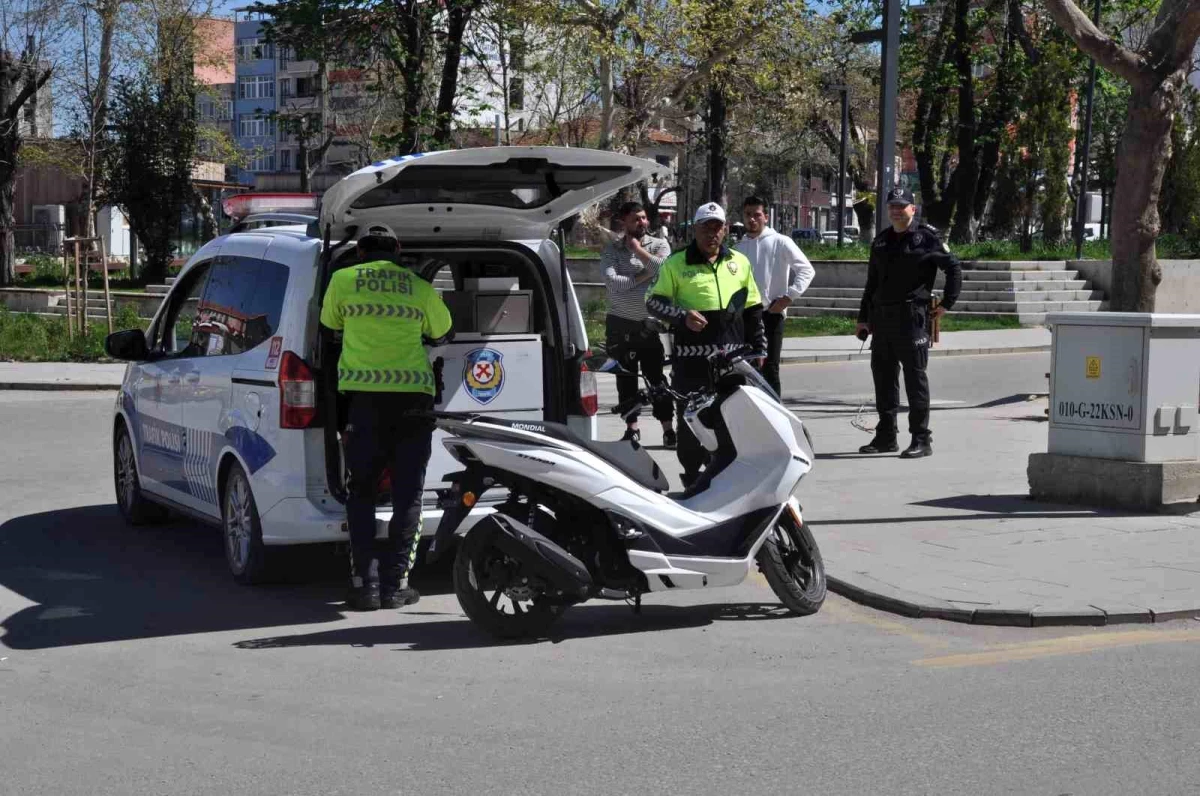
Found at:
<point>905,259</point>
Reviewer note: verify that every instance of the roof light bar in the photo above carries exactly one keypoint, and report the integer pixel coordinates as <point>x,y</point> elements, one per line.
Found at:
<point>243,204</point>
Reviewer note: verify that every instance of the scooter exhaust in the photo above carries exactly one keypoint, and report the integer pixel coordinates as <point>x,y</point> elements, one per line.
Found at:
<point>543,557</point>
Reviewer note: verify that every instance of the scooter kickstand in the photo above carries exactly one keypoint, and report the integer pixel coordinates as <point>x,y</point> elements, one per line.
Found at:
<point>637,604</point>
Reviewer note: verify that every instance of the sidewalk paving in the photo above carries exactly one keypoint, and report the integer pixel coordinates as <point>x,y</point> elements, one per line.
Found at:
<point>848,348</point>
<point>955,536</point>
<point>60,375</point>
<point>796,350</point>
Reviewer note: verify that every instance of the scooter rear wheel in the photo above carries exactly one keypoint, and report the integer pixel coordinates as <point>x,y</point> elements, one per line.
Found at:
<point>493,591</point>
<point>793,567</point>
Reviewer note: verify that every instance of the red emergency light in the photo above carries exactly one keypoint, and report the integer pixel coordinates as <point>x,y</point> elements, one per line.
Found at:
<point>243,204</point>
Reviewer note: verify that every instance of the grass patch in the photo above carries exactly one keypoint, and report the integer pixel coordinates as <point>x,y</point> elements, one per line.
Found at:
<point>1168,247</point>
<point>819,326</point>
<point>823,326</point>
<point>582,253</point>
<point>33,338</point>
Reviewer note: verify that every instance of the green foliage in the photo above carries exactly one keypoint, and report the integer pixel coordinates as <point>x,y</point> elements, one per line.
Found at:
<point>1179,199</point>
<point>149,164</point>
<point>33,338</point>
<point>830,326</point>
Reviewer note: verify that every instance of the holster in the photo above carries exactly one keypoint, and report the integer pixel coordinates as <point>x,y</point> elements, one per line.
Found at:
<point>933,324</point>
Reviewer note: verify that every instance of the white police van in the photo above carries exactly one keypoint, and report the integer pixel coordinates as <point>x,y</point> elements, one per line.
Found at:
<point>228,412</point>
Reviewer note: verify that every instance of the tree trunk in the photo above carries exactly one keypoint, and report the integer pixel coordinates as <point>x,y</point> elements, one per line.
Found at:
<point>608,108</point>
<point>968,166</point>
<point>8,275</point>
<point>108,12</point>
<point>718,136</point>
<point>458,17</point>
<point>302,155</point>
<point>927,127</point>
<point>414,80</point>
<point>1002,109</point>
<point>1142,159</point>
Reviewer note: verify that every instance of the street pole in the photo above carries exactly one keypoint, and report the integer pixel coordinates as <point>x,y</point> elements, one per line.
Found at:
<point>887,108</point>
<point>1081,202</point>
<point>842,164</point>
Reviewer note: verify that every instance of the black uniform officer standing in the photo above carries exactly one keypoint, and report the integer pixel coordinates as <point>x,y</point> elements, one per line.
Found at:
<point>905,259</point>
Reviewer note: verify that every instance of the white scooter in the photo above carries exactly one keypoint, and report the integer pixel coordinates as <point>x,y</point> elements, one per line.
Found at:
<point>591,519</point>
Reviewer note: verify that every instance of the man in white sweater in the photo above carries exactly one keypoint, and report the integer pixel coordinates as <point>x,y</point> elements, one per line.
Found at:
<point>782,272</point>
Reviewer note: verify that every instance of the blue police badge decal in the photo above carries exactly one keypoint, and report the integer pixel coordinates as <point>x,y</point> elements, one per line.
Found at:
<point>483,374</point>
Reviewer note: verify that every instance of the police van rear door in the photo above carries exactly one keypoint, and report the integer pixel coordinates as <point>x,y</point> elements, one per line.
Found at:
<point>493,193</point>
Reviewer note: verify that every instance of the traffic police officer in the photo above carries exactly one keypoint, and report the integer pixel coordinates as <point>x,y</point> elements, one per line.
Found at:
<point>692,290</point>
<point>385,313</point>
<point>905,259</point>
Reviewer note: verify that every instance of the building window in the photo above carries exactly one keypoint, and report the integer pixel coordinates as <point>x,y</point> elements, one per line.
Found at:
<point>286,56</point>
<point>285,88</point>
<point>253,125</point>
<point>516,94</point>
<point>262,163</point>
<point>256,87</point>
<point>206,108</point>
<point>285,160</point>
<point>224,110</point>
<point>254,50</point>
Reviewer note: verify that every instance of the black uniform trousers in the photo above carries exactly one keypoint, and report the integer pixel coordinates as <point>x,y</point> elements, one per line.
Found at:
<point>773,324</point>
<point>689,374</point>
<point>635,346</point>
<point>900,340</point>
<point>386,429</point>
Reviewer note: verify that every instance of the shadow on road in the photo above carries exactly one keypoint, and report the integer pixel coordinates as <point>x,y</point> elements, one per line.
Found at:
<point>589,621</point>
<point>1007,505</point>
<point>96,579</point>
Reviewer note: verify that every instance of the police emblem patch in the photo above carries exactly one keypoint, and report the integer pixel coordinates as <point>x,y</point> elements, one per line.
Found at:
<point>733,266</point>
<point>917,239</point>
<point>483,374</point>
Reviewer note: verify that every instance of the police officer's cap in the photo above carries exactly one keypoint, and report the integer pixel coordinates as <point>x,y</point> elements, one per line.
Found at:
<point>900,196</point>
<point>378,230</point>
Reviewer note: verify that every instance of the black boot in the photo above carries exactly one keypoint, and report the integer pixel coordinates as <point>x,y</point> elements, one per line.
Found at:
<point>919,449</point>
<point>880,445</point>
<point>398,598</point>
<point>365,597</point>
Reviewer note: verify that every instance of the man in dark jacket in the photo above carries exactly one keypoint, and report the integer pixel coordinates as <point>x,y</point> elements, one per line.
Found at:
<point>692,290</point>
<point>905,259</point>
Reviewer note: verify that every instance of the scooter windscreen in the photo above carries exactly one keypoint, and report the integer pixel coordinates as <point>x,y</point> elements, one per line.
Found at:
<point>752,376</point>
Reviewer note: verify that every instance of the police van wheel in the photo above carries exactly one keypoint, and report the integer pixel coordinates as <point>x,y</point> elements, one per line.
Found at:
<point>132,504</point>
<point>241,529</point>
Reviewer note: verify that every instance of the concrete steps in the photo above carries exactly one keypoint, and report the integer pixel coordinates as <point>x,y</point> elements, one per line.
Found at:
<point>1025,290</point>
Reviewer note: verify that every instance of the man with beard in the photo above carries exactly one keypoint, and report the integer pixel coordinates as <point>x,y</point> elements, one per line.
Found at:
<point>631,264</point>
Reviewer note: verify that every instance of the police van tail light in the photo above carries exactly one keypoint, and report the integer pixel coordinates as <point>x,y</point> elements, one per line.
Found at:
<point>589,398</point>
<point>297,392</point>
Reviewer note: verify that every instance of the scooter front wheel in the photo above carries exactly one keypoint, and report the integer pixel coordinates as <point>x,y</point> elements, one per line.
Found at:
<point>792,565</point>
<point>496,594</point>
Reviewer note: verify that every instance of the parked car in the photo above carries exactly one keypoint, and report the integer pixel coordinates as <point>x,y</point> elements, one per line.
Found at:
<point>229,411</point>
<point>806,236</point>
<point>849,235</point>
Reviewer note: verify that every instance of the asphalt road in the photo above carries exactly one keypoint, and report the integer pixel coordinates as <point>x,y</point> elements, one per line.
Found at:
<point>131,664</point>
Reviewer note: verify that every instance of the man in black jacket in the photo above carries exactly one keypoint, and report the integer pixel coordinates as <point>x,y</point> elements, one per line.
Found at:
<point>905,259</point>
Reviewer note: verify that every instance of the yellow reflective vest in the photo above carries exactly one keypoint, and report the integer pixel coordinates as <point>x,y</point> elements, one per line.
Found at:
<point>383,311</point>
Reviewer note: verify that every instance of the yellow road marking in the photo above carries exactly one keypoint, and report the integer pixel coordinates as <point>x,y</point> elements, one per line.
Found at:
<point>1066,645</point>
<point>849,612</point>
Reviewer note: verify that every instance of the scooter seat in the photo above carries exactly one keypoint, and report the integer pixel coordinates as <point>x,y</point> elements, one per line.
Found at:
<point>633,462</point>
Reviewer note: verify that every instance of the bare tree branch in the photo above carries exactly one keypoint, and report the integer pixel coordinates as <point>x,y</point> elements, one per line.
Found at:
<point>1093,42</point>
<point>1170,44</point>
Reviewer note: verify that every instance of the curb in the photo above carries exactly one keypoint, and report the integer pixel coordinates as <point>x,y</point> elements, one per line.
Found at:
<point>953,352</point>
<point>873,593</point>
<point>57,386</point>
